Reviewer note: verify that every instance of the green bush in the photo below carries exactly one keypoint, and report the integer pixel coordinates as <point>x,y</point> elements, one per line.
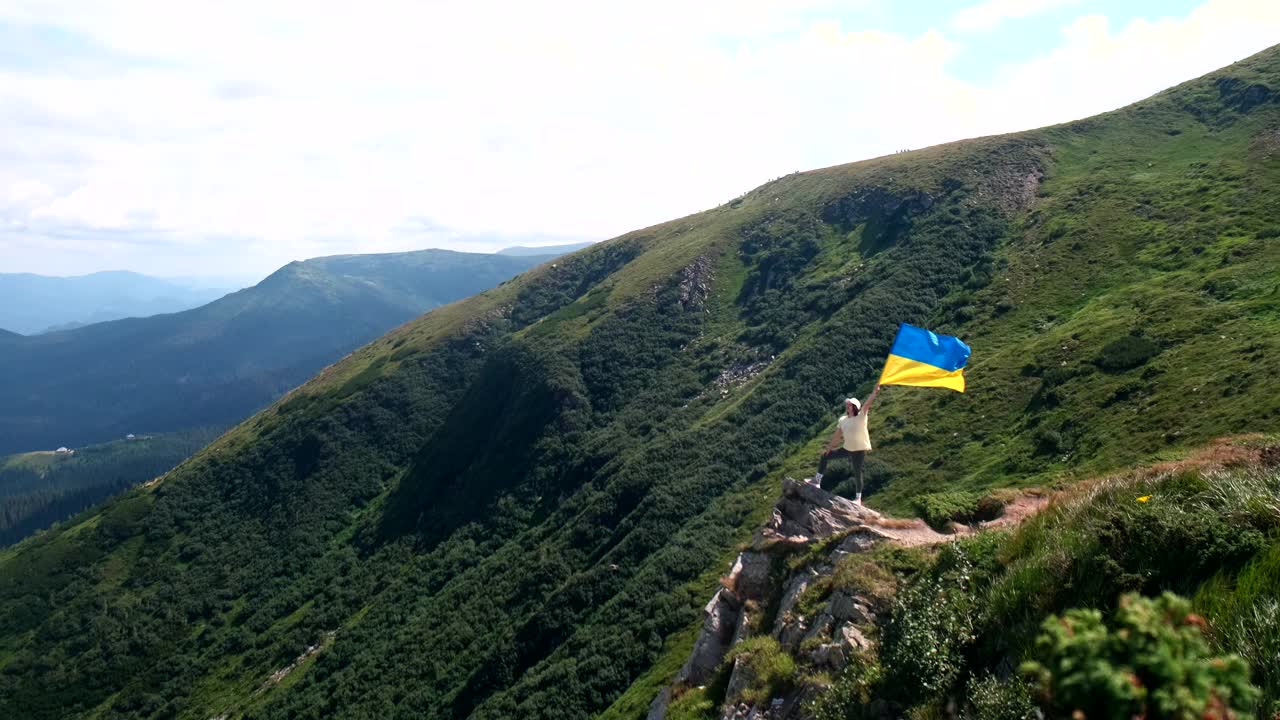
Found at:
<point>992,699</point>
<point>851,692</point>
<point>929,626</point>
<point>1154,662</point>
<point>1126,353</point>
<point>939,509</point>
<point>1048,442</point>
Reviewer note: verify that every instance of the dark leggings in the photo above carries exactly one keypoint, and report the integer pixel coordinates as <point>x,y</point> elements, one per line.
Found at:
<point>856,459</point>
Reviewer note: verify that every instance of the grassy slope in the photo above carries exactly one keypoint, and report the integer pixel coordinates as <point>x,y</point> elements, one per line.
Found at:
<point>514,504</point>
<point>1151,223</point>
<point>1144,210</point>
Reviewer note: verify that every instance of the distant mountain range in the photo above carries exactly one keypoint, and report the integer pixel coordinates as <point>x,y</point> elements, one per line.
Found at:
<point>32,304</point>
<point>523,251</point>
<point>217,363</point>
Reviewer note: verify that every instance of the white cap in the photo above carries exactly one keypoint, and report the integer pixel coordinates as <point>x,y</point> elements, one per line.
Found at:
<point>855,401</point>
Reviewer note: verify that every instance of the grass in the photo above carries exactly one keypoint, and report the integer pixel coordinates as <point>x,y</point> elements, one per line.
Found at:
<point>1086,273</point>
<point>770,669</point>
<point>38,461</point>
<point>1205,525</point>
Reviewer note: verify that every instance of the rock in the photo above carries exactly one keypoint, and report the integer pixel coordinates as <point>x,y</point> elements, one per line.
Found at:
<point>740,679</point>
<point>720,620</point>
<point>830,656</point>
<point>792,633</point>
<point>791,594</point>
<point>743,626</point>
<point>861,540</point>
<point>695,283</point>
<point>658,708</point>
<point>806,513</point>
<point>844,606</point>
<point>749,578</point>
<point>821,627</point>
<point>852,638</point>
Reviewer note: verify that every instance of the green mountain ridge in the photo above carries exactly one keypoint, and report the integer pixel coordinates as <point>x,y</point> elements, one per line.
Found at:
<point>521,250</point>
<point>517,504</point>
<point>215,364</point>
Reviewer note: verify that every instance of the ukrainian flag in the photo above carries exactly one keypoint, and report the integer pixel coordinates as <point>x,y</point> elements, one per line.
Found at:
<point>924,358</point>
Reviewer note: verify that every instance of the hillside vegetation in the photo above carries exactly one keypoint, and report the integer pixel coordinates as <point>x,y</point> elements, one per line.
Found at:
<point>216,364</point>
<point>517,504</point>
<point>868,618</point>
<point>38,489</point>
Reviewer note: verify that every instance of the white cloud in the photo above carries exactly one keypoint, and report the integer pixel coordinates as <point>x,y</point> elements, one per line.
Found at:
<point>248,134</point>
<point>988,15</point>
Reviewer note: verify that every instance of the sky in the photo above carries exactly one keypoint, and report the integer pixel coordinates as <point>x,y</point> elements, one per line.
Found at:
<point>225,139</point>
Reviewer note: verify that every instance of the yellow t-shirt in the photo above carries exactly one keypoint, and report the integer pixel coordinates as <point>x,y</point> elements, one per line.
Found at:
<point>855,432</point>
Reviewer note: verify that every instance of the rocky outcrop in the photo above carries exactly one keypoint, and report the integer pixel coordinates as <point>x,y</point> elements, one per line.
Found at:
<point>804,516</point>
<point>720,618</point>
<point>806,513</point>
<point>695,283</point>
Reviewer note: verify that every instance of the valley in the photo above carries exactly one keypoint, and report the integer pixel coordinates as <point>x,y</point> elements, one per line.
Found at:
<point>520,503</point>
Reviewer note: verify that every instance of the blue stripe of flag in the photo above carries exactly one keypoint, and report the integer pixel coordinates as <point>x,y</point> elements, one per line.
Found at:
<point>930,348</point>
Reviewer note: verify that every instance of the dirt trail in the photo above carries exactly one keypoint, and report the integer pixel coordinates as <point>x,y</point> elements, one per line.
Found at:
<point>914,533</point>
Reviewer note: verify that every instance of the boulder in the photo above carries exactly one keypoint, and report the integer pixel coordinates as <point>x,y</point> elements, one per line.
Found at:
<point>844,606</point>
<point>830,656</point>
<point>743,627</point>
<point>821,627</point>
<point>806,513</point>
<point>795,587</point>
<point>749,576</point>
<point>852,638</point>
<point>720,618</point>
<point>861,540</point>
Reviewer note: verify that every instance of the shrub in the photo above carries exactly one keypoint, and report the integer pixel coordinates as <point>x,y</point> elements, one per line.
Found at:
<point>991,699</point>
<point>849,695</point>
<point>1155,662</point>
<point>930,624</point>
<point>939,509</point>
<point>1048,442</point>
<point>1126,353</point>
